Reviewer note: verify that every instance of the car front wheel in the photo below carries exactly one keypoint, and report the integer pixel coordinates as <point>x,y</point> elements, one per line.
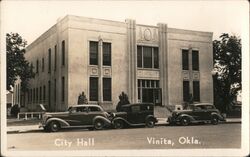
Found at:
<point>99,124</point>
<point>214,120</point>
<point>150,123</point>
<point>185,121</point>
<point>54,126</point>
<point>118,124</point>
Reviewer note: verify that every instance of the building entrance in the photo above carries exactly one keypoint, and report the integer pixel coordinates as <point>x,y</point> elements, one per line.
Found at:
<point>149,91</point>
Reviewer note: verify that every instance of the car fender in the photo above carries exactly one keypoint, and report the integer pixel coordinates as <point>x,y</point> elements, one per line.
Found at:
<point>61,121</point>
<point>107,121</point>
<point>218,115</point>
<point>120,118</point>
<point>185,115</point>
<point>151,116</point>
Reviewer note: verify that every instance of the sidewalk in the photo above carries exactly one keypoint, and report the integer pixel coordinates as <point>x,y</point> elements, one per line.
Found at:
<point>34,128</point>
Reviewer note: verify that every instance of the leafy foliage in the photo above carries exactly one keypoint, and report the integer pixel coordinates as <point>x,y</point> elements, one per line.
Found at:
<point>123,101</point>
<point>227,68</point>
<point>17,65</point>
<point>82,99</point>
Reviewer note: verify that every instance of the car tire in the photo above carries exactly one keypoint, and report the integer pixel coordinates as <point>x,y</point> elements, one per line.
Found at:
<point>185,121</point>
<point>54,126</point>
<point>118,124</point>
<point>98,124</point>
<point>215,120</point>
<point>150,123</point>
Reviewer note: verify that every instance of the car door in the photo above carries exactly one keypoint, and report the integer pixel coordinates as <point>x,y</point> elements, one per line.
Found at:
<point>77,117</point>
<point>197,113</point>
<point>133,114</point>
<point>93,111</point>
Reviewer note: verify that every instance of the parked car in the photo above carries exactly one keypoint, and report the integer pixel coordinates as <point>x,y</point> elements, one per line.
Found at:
<point>88,116</point>
<point>135,115</point>
<point>201,112</point>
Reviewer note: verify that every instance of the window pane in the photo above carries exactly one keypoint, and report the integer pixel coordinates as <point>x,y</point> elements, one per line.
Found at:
<point>93,50</point>
<point>93,89</point>
<point>195,60</point>
<point>55,61</point>
<point>156,57</point>
<point>107,54</point>
<point>184,59</point>
<point>147,57</point>
<point>63,88</point>
<point>106,89</point>
<point>49,87</point>
<point>49,68</point>
<point>139,56</point>
<point>196,88</point>
<point>185,91</point>
<point>63,52</point>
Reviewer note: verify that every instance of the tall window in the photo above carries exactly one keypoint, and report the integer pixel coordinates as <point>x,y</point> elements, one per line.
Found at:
<point>156,58</point>
<point>107,54</point>
<point>93,89</point>
<point>93,50</point>
<point>196,90</point>
<point>40,93</point>
<point>42,64</point>
<point>55,61</point>
<point>36,94</point>
<point>49,51</point>
<point>139,56</point>
<point>185,91</point>
<point>63,52</point>
<point>55,90</point>
<point>185,60</point>
<point>147,57</point>
<point>195,60</point>
<point>49,92</point>
<point>44,92</point>
<point>63,89</point>
<point>107,89</point>
<point>37,66</point>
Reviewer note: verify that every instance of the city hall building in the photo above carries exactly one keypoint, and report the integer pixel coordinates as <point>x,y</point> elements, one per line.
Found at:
<point>103,58</point>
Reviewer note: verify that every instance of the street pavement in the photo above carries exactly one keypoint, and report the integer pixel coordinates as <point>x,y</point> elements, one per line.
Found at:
<point>223,135</point>
<point>34,126</point>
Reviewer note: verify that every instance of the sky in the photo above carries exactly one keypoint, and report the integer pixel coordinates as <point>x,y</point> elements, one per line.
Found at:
<point>32,18</point>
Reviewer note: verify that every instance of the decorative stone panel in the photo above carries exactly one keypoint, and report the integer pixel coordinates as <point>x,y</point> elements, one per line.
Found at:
<point>148,74</point>
<point>93,71</point>
<point>107,71</point>
<point>185,75</point>
<point>196,76</point>
<point>146,34</point>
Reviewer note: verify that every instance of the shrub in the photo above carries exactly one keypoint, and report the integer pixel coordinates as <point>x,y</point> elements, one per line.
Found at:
<point>82,99</point>
<point>15,110</point>
<point>123,101</point>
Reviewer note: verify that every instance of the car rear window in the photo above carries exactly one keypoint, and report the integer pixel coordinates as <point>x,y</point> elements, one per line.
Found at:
<point>94,109</point>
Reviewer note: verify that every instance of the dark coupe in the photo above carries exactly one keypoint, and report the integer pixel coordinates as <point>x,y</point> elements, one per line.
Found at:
<point>195,113</point>
<point>135,115</point>
<point>88,116</point>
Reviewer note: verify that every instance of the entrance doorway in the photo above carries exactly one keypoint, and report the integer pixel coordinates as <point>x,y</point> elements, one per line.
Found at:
<point>149,91</point>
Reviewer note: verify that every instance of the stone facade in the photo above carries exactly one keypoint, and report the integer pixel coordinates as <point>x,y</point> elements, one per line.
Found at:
<point>61,77</point>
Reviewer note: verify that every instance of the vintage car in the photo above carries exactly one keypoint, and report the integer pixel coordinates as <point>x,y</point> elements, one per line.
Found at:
<point>88,116</point>
<point>195,113</point>
<point>134,115</point>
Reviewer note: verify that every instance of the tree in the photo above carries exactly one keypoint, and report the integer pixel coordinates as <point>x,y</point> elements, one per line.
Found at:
<point>17,65</point>
<point>82,99</point>
<point>123,101</point>
<point>227,70</point>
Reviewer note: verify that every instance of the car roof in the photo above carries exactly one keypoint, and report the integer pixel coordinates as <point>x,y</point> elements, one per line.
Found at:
<point>201,104</point>
<point>86,105</point>
<point>135,104</point>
